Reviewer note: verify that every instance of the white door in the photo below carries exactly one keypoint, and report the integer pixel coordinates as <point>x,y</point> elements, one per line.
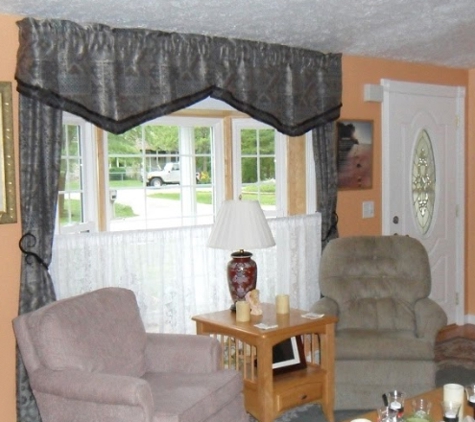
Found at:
<point>423,180</point>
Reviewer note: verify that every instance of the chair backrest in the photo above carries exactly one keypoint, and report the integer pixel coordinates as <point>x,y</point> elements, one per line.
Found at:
<point>100,331</point>
<point>376,280</point>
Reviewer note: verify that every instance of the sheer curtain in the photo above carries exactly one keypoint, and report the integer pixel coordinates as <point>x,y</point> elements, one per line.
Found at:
<point>175,276</point>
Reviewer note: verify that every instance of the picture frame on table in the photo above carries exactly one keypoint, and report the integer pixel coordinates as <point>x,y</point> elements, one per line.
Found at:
<point>354,150</point>
<point>8,212</point>
<point>288,356</point>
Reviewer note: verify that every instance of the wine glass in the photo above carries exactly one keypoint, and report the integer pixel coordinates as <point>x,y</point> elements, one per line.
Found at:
<point>470,391</point>
<point>396,401</point>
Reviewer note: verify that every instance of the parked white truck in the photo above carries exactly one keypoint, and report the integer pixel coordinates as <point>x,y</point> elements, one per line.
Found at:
<point>170,174</point>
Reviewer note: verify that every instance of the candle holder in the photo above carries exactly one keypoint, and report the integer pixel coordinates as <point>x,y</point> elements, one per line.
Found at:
<point>451,411</point>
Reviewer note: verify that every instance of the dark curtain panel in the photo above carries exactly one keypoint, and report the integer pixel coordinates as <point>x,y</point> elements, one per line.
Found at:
<point>118,78</point>
<point>327,179</point>
<point>40,154</point>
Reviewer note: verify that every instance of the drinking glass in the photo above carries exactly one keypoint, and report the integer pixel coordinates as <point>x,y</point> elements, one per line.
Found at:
<point>396,401</point>
<point>421,410</point>
<point>470,390</point>
<point>386,414</point>
<point>451,411</point>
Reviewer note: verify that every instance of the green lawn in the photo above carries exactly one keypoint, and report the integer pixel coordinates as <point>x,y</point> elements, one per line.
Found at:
<point>204,197</point>
<point>120,210</point>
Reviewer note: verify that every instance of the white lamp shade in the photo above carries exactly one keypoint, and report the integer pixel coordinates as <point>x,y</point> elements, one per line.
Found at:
<point>240,225</point>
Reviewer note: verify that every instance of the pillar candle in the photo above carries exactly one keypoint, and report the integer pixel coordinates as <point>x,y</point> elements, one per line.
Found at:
<point>455,393</point>
<point>243,311</point>
<point>282,305</point>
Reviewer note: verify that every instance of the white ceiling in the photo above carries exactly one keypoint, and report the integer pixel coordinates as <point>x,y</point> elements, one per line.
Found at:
<point>438,32</point>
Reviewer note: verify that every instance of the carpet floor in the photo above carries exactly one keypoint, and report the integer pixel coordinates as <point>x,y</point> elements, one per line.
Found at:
<point>455,360</point>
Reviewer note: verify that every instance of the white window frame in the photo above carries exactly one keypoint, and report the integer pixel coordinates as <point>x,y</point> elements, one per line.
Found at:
<point>89,178</point>
<point>280,164</point>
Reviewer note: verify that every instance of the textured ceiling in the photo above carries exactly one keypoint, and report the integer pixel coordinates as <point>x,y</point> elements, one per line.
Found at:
<point>428,31</point>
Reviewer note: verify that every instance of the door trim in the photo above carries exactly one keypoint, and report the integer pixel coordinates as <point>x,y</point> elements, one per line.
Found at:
<point>458,93</point>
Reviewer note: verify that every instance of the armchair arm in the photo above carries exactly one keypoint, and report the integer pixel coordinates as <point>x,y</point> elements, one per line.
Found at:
<point>325,306</point>
<point>182,353</point>
<point>430,318</point>
<point>95,388</point>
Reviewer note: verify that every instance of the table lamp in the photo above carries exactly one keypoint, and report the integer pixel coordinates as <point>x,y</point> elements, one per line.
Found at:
<point>241,225</point>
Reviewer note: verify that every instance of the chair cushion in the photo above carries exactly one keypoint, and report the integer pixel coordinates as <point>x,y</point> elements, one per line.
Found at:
<point>185,397</point>
<point>382,345</point>
<point>377,313</point>
<point>100,331</point>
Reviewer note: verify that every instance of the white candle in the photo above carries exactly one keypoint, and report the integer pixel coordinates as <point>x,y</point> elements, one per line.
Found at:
<point>282,304</point>
<point>455,393</point>
<point>243,311</point>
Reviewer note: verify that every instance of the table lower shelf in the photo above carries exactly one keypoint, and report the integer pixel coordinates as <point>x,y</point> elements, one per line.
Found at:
<point>290,389</point>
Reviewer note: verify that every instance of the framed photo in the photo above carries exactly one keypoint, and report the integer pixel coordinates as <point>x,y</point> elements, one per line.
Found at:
<point>288,356</point>
<point>354,154</point>
<point>7,159</point>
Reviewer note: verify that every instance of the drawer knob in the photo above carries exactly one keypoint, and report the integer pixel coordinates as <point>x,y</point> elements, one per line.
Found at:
<point>304,397</point>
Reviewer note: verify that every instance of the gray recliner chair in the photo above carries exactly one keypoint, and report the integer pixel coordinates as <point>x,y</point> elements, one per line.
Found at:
<point>89,358</point>
<point>378,287</point>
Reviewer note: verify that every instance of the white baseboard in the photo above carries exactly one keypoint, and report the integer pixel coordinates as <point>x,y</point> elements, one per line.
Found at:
<point>469,319</point>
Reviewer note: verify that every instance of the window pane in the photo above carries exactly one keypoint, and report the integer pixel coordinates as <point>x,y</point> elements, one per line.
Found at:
<point>70,195</point>
<point>248,141</point>
<point>258,170</point>
<point>267,141</point>
<point>267,168</point>
<point>166,181</point>
<point>249,170</point>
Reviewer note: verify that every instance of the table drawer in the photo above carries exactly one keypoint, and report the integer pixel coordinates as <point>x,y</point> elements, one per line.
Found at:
<point>298,395</point>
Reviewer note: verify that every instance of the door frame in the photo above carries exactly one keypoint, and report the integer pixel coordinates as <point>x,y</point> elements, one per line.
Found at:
<point>458,93</point>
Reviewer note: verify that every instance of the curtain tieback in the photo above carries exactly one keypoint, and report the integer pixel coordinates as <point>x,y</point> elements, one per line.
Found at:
<point>32,237</point>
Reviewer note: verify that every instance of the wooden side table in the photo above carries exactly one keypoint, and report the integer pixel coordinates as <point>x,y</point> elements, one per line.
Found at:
<point>249,350</point>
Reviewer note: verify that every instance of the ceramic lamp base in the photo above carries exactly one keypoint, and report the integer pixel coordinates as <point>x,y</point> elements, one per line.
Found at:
<point>242,275</point>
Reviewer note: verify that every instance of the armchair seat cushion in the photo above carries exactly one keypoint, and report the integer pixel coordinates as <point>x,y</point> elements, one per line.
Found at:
<point>186,397</point>
<point>378,345</point>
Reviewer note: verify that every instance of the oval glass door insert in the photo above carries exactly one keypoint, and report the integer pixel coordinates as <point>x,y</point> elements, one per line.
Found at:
<point>423,182</point>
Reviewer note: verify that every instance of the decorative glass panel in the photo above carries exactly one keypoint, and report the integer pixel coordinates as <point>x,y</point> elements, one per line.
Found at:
<point>423,182</point>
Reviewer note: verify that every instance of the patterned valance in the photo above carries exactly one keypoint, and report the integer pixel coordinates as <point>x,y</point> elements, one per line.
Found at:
<point>118,78</point>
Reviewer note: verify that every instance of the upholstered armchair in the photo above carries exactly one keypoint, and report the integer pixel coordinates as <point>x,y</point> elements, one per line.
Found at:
<point>89,358</point>
<point>378,287</point>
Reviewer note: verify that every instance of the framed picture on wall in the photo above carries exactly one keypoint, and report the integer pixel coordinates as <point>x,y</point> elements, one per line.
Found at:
<point>354,154</point>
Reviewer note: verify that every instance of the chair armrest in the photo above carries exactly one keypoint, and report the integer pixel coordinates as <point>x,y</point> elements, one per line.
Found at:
<point>325,306</point>
<point>182,353</point>
<point>94,387</point>
<point>430,318</point>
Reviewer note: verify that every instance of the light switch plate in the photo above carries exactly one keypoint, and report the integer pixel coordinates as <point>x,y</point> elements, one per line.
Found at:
<point>368,209</point>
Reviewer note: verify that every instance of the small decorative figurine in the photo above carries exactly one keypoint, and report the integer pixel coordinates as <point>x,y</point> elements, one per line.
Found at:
<point>253,298</point>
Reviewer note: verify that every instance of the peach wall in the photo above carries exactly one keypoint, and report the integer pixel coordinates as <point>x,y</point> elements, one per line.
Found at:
<point>357,71</point>
<point>9,236</point>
